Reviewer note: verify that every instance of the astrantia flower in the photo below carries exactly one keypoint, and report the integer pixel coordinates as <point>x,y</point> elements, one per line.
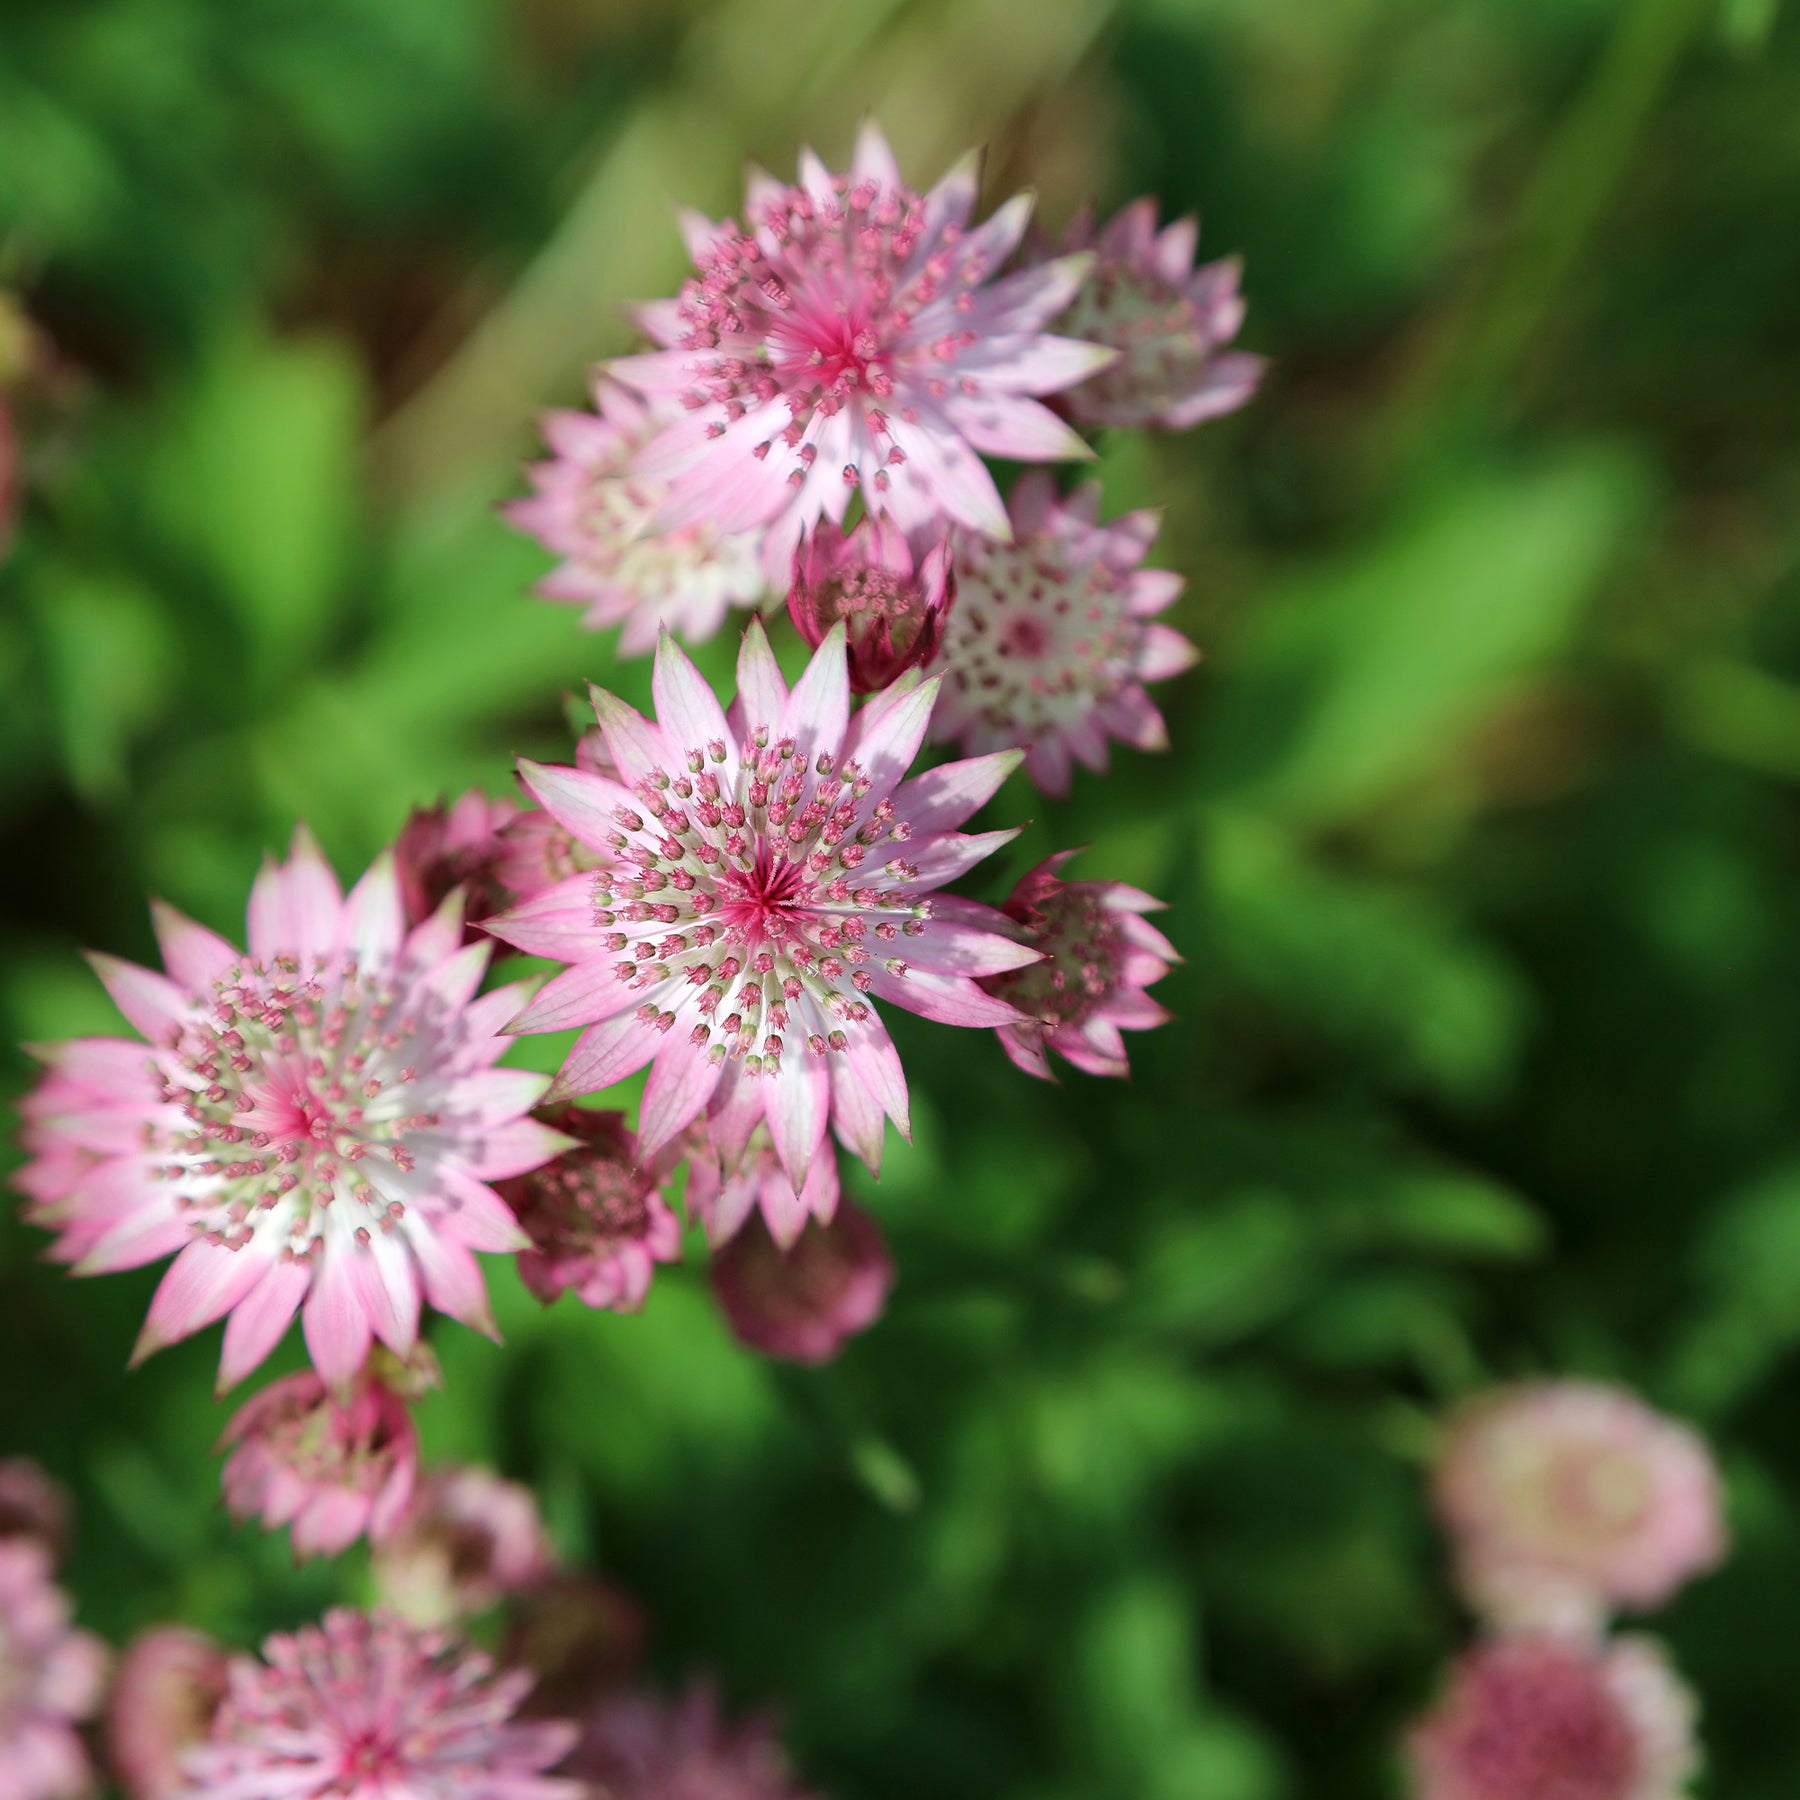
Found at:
<point>315,1122</point>
<point>1168,320</point>
<point>367,1708</point>
<point>50,1680</point>
<point>169,1685</point>
<point>722,1193</point>
<point>774,878</point>
<point>855,335</point>
<point>1566,1499</point>
<point>892,597</point>
<point>441,848</point>
<point>640,1746</point>
<point>32,1506</point>
<point>1055,634</point>
<point>333,1468</point>
<point>1539,1719</point>
<point>593,506</point>
<point>469,1539</point>
<point>1100,954</point>
<point>595,1215</point>
<point>802,1303</point>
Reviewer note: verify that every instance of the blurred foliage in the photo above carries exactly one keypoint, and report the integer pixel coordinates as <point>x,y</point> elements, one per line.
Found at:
<point>1480,831</point>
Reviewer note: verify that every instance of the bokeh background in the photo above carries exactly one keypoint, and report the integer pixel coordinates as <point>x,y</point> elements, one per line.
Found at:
<point>1480,829</point>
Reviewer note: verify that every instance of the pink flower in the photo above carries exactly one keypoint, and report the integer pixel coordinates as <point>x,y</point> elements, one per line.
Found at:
<point>596,1218</point>
<point>856,336</point>
<point>441,848</point>
<point>801,1304</point>
<point>640,1746</point>
<point>1054,636</point>
<point>1566,1499</point>
<point>1540,1719</point>
<point>469,1540</point>
<point>722,1193</point>
<point>170,1684</point>
<point>774,878</point>
<point>892,603</point>
<point>1167,319</point>
<point>335,1469</point>
<point>364,1707</point>
<point>315,1122</point>
<point>51,1678</point>
<point>33,1506</point>
<point>1099,955</point>
<point>594,507</point>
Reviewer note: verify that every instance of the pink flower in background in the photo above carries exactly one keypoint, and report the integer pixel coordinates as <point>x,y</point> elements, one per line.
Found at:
<point>596,1218</point>
<point>334,1469</point>
<point>855,336</point>
<point>441,848</point>
<point>803,1303</point>
<point>314,1123</point>
<point>1566,1499</point>
<point>364,1707</point>
<point>1168,320</point>
<point>1540,1719</point>
<point>51,1678</point>
<point>169,1686</point>
<point>32,1506</point>
<point>1055,634</point>
<point>775,876</point>
<point>892,598</point>
<point>722,1194</point>
<point>1099,955</point>
<point>641,1746</point>
<point>470,1539</point>
<point>594,507</point>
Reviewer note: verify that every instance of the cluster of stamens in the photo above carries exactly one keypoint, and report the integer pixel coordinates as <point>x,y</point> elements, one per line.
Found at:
<point>592,1196</point>
<point>1080,940</point>
<point>1162,334</point>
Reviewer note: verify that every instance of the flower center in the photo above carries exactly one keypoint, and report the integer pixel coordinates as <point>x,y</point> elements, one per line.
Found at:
<point>1080,940</point>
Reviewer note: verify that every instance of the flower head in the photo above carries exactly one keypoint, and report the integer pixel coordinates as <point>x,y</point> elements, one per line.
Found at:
<point>32,1506</point>
<point>595,1215</point>
<point>722,1192</point>
<point>855,336</point>
<point>469,1540</point>
<point>441,848</point>
<point>1054,636</point>
<point>364,1707</point>
<point>314,1123</point>
<point>51,1678</point>
<point>169,1685</point>
<point>1540,1719</point>
<point>802,1303</point>
<point>1566,1499</point>
<point>334,1468</point>
<point>892,602</point>
<point>592,505</point>
<point>773,877</point>
<point>1099,955</point>
<point>1168,320</point>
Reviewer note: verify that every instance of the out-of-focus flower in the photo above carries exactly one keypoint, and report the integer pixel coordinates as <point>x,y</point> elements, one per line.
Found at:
<point>1055,634</point>
<point>33,1506</point>
<point>441,848</point>
<point>596,1217</point>
<point>469,1540</point>
<point>1100,954</point>
<point>333,1468</point>
<point>1168,320</point>
<point>641,1746</point>
<point>1566,1499</point>
<point>365,1707</point>
<point>801,1304</point>
<point>892,600</point>
<point>1542,1719</point>
<point>854,336</point>
<point>722,1193</point>
<point>775,875</point>
<point>51,1677</point>
<point>594,507</point>
<point>315,1122</point>
<point>579,1637</point>
<point>168,1687</point>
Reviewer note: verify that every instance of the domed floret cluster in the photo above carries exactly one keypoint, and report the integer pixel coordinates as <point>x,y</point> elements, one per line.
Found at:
<point>1054,635</point>
<point>311,1126</point>
<point>892,597</point>
<point>51,1679</point>
<point>458,846</point>
<point>592,504</point>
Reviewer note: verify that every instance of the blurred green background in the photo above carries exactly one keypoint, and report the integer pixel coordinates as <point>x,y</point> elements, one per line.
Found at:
<point>1481,830</point>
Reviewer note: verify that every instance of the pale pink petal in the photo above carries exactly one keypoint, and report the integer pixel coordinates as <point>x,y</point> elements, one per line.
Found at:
<point>194,956</point>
